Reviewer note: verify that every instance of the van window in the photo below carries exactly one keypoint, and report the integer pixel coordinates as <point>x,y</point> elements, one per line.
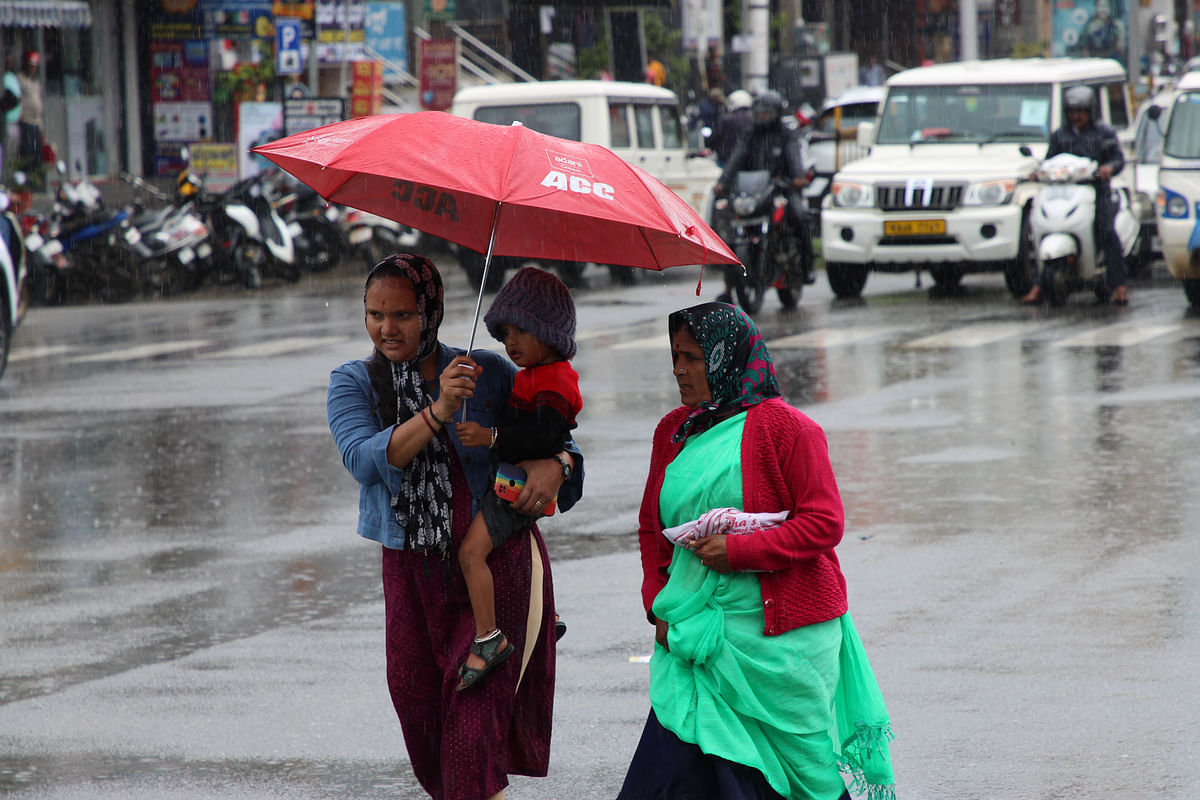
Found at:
<point>555,119</point>
<point>1118,111</point>
<point>672,131</point>
<point>618,123</point>
<point>1183,130</point>
<point>979,113</point>
<point>643,116</point>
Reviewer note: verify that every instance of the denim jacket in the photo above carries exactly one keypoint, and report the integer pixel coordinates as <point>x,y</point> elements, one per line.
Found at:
<point>362,439</point>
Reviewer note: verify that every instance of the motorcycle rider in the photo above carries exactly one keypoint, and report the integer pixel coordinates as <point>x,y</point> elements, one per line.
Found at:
<point>1086,137</point>
<point>772,144</point>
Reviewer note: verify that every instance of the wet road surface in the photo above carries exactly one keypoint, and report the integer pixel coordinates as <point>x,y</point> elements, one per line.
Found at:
<point>185,611</point>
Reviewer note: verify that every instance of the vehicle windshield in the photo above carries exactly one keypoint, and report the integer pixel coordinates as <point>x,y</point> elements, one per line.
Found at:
<point>969,113</point>
<point>1183,131</point>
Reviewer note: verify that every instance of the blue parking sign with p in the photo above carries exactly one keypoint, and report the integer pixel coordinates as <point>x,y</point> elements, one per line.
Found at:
<point>287,46</point>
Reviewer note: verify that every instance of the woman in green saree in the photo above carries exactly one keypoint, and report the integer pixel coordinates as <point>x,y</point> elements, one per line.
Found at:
<point>759,686</point>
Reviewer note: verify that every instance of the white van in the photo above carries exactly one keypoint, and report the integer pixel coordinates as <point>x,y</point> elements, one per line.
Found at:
<point>945,186</point>
<point>1178,203</point>
<point>637,121</point>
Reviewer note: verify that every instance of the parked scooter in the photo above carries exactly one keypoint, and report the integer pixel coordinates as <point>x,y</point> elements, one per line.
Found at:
<point>84,227</point>
<point>1062,224</point>
<point>250,239</point>
<point>372,238</point>
<point>755,223</point>
<point>169,245</point>
<point>318,237</point>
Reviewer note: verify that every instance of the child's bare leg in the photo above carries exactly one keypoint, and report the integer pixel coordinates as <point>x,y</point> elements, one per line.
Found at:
<point>472,559</point>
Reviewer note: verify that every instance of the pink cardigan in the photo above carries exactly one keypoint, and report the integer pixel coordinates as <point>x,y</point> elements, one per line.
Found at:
<point>785,466</point>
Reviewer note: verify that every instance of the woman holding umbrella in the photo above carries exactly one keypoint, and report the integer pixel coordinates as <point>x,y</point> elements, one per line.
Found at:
<point>419,488</point>
<point>759,686</point>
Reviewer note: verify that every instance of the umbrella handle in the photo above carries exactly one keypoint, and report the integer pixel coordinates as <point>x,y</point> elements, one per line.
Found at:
<point>487,263</point>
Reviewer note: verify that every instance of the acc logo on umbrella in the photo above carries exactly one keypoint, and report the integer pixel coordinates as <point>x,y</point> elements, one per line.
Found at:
<point>579,181</point>
<point>426,198</point>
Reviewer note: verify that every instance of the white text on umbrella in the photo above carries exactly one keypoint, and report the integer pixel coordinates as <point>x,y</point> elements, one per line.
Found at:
<point>559,180</point>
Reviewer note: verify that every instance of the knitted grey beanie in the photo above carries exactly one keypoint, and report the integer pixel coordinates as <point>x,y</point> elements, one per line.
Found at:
<point>537,302</point>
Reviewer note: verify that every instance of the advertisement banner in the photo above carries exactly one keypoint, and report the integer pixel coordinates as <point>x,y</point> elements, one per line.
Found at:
<point>258,123</point>
<point>387,33</point>
<point>341,30</point>
<point>304,114</point>
<point>179,71</point>
<point>366,91</point>
<point>217,162</point>
<point>1090,28</point>
<point>182,122</point>
<point>439,62</point>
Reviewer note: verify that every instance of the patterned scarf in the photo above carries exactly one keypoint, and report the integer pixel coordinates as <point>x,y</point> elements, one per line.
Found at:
<point>422,506</point>
<point>739,369</point>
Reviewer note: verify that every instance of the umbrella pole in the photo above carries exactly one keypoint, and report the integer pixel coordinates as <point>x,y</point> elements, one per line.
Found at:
<point>487,265</point>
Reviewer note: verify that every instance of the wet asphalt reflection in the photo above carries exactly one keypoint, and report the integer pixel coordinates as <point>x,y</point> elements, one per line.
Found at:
<point>185,610</point>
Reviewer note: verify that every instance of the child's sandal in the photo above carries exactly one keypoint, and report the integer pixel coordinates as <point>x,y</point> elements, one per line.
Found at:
<point>492,656</point>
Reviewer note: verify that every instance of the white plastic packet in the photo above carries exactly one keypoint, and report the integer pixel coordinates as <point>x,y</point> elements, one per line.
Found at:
<point>723,520</point>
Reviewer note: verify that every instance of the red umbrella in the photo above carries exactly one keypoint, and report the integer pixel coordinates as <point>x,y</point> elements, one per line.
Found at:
<point>499,190</point>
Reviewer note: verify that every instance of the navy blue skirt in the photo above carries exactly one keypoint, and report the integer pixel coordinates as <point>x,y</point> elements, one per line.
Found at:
<point>665,767</point>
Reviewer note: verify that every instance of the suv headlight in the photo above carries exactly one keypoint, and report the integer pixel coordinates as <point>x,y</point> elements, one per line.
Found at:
<point>1172,205</point>
<point>989,193</point>
<point>853,195</point>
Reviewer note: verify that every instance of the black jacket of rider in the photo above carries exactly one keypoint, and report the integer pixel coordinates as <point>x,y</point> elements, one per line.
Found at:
<point>778,149</point>
<point>1098,142</point>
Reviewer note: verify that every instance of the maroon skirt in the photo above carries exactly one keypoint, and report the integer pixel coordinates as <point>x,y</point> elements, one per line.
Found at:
<point>463,745</point>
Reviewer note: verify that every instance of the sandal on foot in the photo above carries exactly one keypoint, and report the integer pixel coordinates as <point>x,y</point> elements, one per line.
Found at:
<point>489,650</point>
<point>560,629</point>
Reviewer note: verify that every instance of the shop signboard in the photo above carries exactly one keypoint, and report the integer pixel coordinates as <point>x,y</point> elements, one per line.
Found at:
<point>439,61</point>
<point>304,114</point>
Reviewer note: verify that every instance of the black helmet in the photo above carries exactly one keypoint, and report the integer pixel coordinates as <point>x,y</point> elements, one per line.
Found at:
<point>1080,98</point>
<point>767,109</point>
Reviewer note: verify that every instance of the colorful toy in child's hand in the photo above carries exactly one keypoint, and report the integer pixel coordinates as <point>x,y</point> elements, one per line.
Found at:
<point>510,480</point>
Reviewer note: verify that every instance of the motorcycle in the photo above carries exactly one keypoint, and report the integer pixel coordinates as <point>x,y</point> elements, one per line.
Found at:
<point>250,239</point>
<point>754,222</point>
<point>372,237</point>
<point>169,245</point>
<point>1062,226</point>
<point>319,238</point>
<point>83,226</point>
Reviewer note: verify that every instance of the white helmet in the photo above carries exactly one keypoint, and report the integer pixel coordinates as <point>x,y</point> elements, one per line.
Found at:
<point>738,99</point>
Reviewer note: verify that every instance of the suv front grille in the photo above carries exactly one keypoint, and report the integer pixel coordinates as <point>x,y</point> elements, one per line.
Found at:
<point>918,197</point>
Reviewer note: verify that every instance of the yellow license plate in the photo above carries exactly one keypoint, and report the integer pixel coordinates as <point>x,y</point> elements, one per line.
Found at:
<point>914,227</point>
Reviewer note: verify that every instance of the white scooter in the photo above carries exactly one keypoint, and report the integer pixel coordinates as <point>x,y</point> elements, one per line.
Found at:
<point>1062,227</point>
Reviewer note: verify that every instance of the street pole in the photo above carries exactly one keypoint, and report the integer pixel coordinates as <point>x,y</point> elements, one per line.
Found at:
<point>314,77</point>
<point>968,33</point>
<point>758,60</point>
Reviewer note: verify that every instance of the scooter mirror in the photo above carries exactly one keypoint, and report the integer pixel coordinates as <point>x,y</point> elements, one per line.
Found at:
<point>61,167</point>
<point>185,153</point>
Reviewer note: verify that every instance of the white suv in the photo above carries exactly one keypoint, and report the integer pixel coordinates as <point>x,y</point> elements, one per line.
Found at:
<point>945,186</point>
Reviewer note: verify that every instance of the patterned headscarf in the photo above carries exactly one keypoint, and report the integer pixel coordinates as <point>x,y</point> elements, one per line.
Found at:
<point>738,366</point>
<point>422,506</point>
